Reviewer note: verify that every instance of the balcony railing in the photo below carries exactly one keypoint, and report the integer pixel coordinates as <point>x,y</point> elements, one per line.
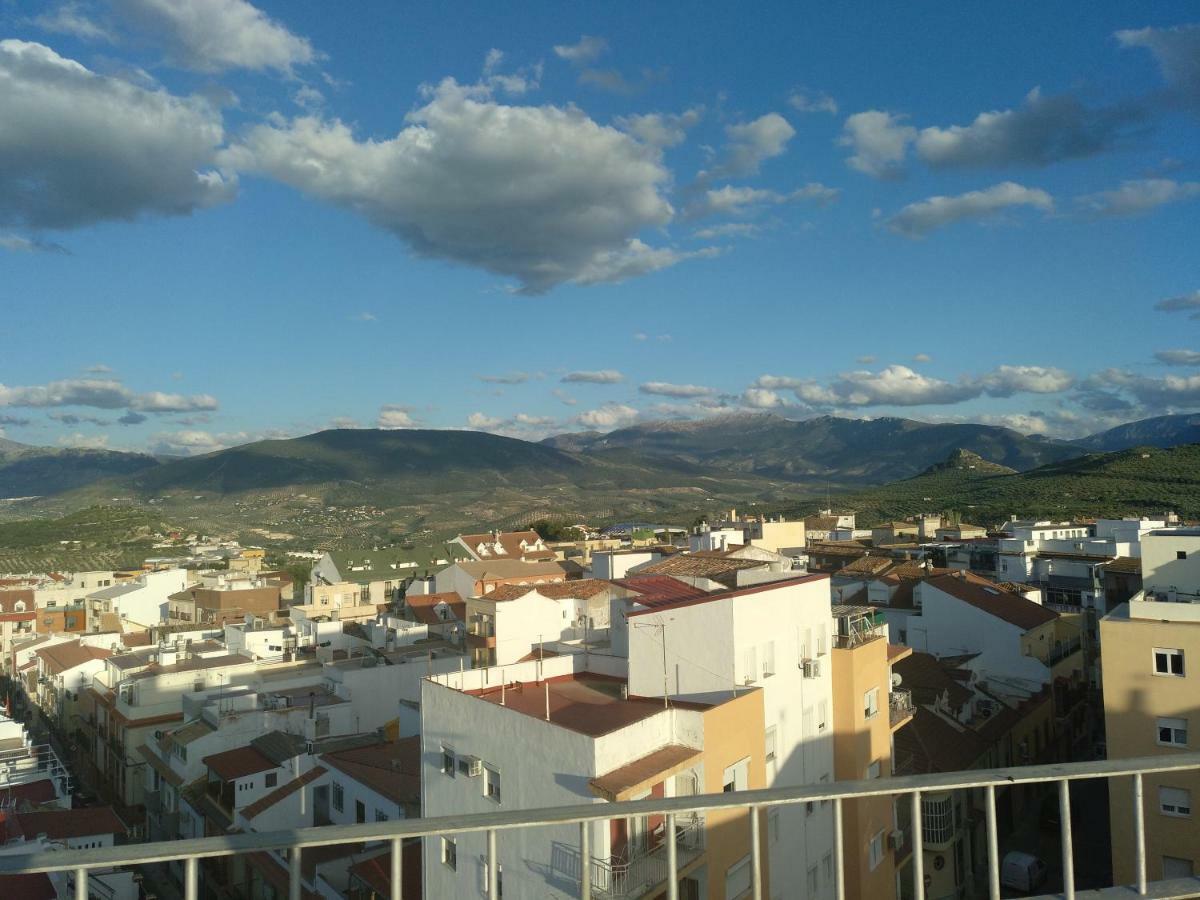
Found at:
<point>647,867</point>
<point>900,706</point>
<point>674,810</point>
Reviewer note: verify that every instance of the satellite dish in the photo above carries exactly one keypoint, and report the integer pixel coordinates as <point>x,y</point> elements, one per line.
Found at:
<point>896,680</point>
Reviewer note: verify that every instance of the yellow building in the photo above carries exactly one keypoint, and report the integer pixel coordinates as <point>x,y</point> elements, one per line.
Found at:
<point>867,711</point>
<point>1151,681</point>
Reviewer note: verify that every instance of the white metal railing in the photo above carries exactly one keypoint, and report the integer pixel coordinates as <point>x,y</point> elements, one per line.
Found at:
<point>646,866</point>
<point>673,809</point>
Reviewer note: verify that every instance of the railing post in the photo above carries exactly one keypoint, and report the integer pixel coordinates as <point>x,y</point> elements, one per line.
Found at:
<point>585,861</point>
<point>672,860</point>
<point>493,882</point>
<point>918,865</point>
<point>1068,854</point>
<point>993,843</point>
<point>755,855</point>
<point>1139,834</point>
<point>294,875</point>
<point>81,891</point>
<point>839,852</point>
<point>397,889</point>
<point>191,878</point>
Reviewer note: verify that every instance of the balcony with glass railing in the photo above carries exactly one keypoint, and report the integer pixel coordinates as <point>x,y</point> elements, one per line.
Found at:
<point>660,867</point>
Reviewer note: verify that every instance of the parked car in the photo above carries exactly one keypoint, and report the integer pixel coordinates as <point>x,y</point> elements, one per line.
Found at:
<point>1022,871</point>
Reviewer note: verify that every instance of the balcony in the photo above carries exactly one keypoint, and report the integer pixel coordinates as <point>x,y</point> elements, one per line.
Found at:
<point>900,708</point>
<point>675,811</point>
<point>648,866</point>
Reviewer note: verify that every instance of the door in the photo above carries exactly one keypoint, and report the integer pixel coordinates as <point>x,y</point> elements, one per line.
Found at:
<point>360,812</point>
<point>321,805</point>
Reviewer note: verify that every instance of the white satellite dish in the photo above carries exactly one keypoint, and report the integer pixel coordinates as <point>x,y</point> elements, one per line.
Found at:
<point>896,680</point>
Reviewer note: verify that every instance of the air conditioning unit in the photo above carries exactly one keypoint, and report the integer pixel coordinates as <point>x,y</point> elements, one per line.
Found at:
<point>812,668</point>
<point>897,839</point>
<point>474,766</point>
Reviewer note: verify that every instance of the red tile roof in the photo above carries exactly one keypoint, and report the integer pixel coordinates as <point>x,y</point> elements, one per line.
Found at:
<point>510,541</point>
<point>423,607</point>
<point>238,763</point>
<point>738,592</point>
<point>262,804</point>
<point>994,600</point>
<point>581,589</point>
<point>376,872</point>
<point>391,769</point>
<point>61,657</point>
<point>61,824</point>
<point>27,887</point>
<point>35,792</point>
<point>658,590</point>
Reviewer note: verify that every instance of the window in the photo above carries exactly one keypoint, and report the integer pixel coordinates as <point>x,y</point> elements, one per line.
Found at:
<point>822,715</point>
<point>1168,662</point>
<point>737,878</point>
<point>380,816</point>
<point>811,879</point>
<point>827,867</point>
<point>736,776</point>
<point>768,659</point>
<point>750,662</point>
<point>491,783</point>
<point>771,734</point>
<point>339,797</point>
<point>1172,732</point>
<point>871,703</point>
<point>1177,867</point>
<point>1175,801</point>
<point>937,819</point>
<point>873,770</point>
<point>447,761</point>
<point>1181,554</point>
<point>773,824</point>
<point>271,779</point>
<point>449,853</point>
<point>875,850</point>
<point>360,812</point>
<point>821,641</point>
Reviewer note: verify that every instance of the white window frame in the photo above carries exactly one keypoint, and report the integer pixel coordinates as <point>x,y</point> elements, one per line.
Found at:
<point>737,775</point>
<point>450,854</point>
<point>1175,802</point>
<point>491,783</point>
<point>871,703</point>
<point>448,757</point>
<point>1178,727</point>
<point>875,849</point>
<point>1168,655</point>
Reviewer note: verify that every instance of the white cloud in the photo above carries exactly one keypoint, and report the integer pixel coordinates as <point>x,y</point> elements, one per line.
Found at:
<point>534,421</point>
<point>635,259</point>
<point>661,129</point>
<point>922,358</point>
<point>191,442</point>
<point>607,417</point>
<point>81,441</point>
<point>1044,130</point>
<point>587,50</point>
<point>1138,196</point>
<point>918,219</point>
<point>1168,393</point>
<point>879,140</point>
<point>602,376</point>
<point>563,397</point>
<point>483,422</point>
<point>541,194</point>
<point>80,148</point>
<point>1177,52</point>
<point>364,317</point>
<point>69,18</point>
<point>761,398</point>
<point>1004,381</point>
<point>392,416</point>
<point>750,144</point>
<point>731,200</point>
<point>20,244</point>
<point>1182,303</point>
<point>780,382</point>
<point>308,97</point>
<point>867,360</point>
<point>101,394</point>
<point>667,389</point>
<point>506,378</point>
<point>727,230</point>
<point>99,369</point>
<point>806,101</point>
<point>1178,357</point>
<point>896,386</point>
<point>216,35</point>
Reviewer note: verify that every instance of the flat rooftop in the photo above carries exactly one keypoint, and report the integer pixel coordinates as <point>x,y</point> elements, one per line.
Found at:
<point>584,702</point>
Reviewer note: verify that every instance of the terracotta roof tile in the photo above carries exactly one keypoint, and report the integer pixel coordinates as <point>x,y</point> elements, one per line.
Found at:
<point>423,607</point>
<point>391,769</point>
<point>238,763</point>
<point>58,825</point>
<point>582,589</point>
<point>988,597</point>
<point>61,657</point>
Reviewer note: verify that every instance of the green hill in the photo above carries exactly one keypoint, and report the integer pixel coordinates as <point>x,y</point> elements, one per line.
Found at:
<point>1141,480</point>
<point>27,471</point>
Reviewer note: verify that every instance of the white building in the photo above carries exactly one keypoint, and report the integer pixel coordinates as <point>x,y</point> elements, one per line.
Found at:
<point>140,603</point>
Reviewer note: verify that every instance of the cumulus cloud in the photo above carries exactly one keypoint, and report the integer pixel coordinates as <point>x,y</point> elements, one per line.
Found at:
<point>73,419</point>
<point>132,418</point>
<point>602,376</point>
<point>216,35</point>
<point>587,50</point>
<point>1044,130</point>
<point>607,417</point>
<point>749,145</point>
<point>867,360</point>
<point>393,416</point>
<point>192,442</point>
<point>762,398</point>
<point>1138,196</point>
<point>482,422</point>
<point>667,389</point>
<point>918,219</point>
<point>879,141</point>
<point>81,441</point>
<point>80,148</point>
<point>70,18</point>
<point>661,129</point>
<point>541,194</point>
<point>922,358</point>
<point>635,259</point>
<point>1177,52</point>
<point>1183,303</point>
<point>1004,381</point>
<point>727,230</point>
<point>807,101</point>
<point>731,200</point>
<point>1178,357</point>
<point>563,397</point>
<point>507,378</point>
<point>101,394</point>
<point>1167,393</point>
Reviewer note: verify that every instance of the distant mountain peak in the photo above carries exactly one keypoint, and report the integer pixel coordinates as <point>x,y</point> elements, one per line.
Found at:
<point>968,461</point>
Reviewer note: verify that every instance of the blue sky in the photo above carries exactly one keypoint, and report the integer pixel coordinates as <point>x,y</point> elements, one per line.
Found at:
<point>221,221</point>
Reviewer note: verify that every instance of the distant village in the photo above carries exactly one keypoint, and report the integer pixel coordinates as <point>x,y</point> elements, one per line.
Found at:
<point>208,694</point>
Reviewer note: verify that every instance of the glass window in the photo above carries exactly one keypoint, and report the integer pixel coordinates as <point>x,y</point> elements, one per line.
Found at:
<point>771,735</point>
<point>1168,662</point>
<point>339,796</point>
<point>736,776</point>
<point>447,760</point>
<point>271,779</point>
<point>1175,801</point>
<point>937,819</point>
<point>1172,732</point>
<point>491,783</point>
<point>380,816</point>
<point>768,659</point>
<point>874,769</point>
<point>449,853</point>
<point>871,703</point>
<point>875,850</point>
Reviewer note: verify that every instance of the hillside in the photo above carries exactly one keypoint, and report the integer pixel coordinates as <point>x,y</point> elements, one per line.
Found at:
<point>27,471</point>
<point>1160,431</point>
<point>92,538</point>
<point>828,448</point>
<point>1137,481</point>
